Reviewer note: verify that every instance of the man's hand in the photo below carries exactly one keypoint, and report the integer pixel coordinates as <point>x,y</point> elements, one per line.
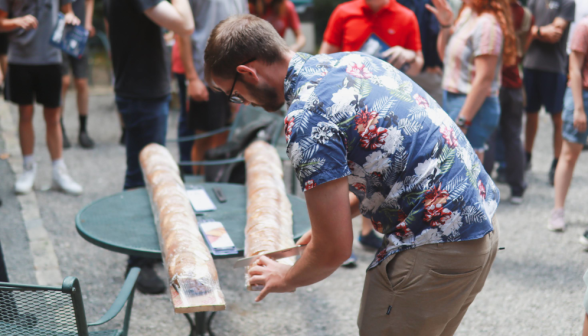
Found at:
<point>580,120</point>
<point>271,275</point>
<point>442,11</point>
<point>550,34</point>
<point>71,19</point>
<point>26,22</point>
<point>398,56</point>
<point>197,90</point>
<point>90,28</point>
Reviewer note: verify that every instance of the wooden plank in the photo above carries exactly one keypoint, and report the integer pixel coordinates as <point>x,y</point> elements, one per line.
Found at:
<point>194,285</point>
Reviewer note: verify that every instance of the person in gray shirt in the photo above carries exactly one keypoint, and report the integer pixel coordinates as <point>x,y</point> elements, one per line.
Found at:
<point>34,68</point>
<point>545,68</point>
<point>208,109</point>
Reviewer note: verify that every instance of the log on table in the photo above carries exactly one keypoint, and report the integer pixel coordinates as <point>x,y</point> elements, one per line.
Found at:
<point>269,212</point>
<point>193,279</point>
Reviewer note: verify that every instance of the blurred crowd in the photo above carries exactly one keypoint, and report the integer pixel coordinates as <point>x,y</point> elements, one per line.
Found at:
<point>492,64</point>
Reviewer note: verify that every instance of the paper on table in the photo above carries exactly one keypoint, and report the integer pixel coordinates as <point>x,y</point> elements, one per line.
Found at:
<point>200,200</point>
<point>217,235</point>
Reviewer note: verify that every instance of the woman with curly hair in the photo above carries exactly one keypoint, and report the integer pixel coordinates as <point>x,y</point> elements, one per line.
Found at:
<point>473,49</point>
<point>282,15</point>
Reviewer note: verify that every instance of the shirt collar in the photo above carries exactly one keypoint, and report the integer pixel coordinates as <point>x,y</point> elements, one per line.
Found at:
<point>292,76</point>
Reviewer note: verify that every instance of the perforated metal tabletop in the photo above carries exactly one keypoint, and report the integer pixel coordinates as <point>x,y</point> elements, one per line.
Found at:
<point>124,222</point>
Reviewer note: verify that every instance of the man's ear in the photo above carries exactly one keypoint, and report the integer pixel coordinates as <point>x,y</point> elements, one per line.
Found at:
<point>248,74</point>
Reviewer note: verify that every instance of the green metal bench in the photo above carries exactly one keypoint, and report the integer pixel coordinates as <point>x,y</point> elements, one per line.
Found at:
<point>27,310</point>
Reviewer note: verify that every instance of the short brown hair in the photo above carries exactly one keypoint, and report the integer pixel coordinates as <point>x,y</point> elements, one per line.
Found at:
<point>238,39</point>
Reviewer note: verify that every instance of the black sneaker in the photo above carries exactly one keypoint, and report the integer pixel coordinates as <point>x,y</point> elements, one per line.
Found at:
<point>585,148</point>
<point>66,143</point>
<point>351,262</point>
<point>371,241</point>
<point>85,141</point>
<point>148,282</point>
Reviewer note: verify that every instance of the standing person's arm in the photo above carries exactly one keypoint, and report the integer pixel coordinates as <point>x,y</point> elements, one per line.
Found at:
<point>410,53</point>
<point>89,14</point>
<point>485,66</point>
<point>26,22</point>
<point>444,15</point>
<point>332,237</point>
<point>294,23</point>
<point>553,32</point>
<point>196,88</point>
<point>175,16</point>
<point>70,17</point>
<point>576,63</point>
<point>327,48</point>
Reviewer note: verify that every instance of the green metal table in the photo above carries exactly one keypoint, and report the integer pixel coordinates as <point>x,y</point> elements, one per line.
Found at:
<point>124,223</point>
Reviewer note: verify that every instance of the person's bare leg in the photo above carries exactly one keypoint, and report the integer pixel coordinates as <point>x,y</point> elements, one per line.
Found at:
<point>366,226</point>
<point>585,330</point>
<point>531,130</point>
<point>564,171</point>
<point>26,130</point>
<point>557,134</point>
<point>480,154</point>
<point>54,139</point>
<point>3,66</point>
<point>218,139</point>
<point>83,94</point>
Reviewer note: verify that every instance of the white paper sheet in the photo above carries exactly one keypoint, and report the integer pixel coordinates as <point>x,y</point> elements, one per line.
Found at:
<point>200,200</point>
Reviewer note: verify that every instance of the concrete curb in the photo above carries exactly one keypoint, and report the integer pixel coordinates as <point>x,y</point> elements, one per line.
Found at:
<point>47,269</point>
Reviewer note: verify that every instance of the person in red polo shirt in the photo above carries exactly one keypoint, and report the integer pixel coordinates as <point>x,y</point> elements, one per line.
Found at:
<point>382,28</point>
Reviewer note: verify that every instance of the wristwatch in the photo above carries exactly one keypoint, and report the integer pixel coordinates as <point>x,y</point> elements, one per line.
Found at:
<point>538,31</point>
<point>463,123</point>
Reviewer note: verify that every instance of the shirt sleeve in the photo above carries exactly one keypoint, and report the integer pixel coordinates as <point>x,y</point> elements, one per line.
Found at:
<point>65,2</point>
<point>4,6</point>
<point>487,38</point>
<point>316,148</point>
<point>144,5</point>
<point>335,29</point>
<point>580,37</point>
<point>413,41</point>
<point>568,10</point>
<point>293,19</point>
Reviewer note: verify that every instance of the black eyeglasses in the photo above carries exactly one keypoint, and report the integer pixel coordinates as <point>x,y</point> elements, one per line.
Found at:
<point>236,98</point>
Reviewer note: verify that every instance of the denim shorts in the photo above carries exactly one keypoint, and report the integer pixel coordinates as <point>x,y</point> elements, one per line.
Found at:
<point>484,123</point>
<point>569,132</point>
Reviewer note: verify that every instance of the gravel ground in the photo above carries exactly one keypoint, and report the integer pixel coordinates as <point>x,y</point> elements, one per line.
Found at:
<point>534,288</point>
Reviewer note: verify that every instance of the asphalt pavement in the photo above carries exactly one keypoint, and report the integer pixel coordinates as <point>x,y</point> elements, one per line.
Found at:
<point>535,286</point>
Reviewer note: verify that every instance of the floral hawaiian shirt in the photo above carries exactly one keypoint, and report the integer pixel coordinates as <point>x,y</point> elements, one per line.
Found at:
<point>414,172</point>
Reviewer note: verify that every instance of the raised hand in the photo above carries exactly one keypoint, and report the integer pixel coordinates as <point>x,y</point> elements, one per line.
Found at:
<point>442,11</point>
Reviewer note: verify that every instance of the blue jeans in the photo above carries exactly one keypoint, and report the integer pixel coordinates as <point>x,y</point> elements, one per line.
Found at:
<point>146,122</point>
<point>183,125</point>
<point>484,123</point>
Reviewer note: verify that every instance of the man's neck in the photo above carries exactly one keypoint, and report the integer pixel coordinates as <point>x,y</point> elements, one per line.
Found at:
<point>379,5</point>
<point>276,73</point>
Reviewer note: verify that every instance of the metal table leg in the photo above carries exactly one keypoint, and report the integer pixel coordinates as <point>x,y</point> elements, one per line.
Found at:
<point>200,325</point>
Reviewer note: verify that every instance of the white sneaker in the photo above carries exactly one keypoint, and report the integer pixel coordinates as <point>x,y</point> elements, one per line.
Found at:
<point>557,222</point>
<point>26,180</point>
<point>64,182</point>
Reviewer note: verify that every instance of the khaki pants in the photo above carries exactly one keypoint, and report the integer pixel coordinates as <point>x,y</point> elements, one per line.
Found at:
<point>426,291</point>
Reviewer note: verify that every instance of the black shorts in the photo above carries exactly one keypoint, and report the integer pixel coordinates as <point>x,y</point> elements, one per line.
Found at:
<point>30,83</point>
<point>79,66</point>
<point>3,43</point>
<point>210,115</point>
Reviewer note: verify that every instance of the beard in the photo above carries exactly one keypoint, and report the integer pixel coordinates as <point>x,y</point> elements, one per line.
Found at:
<point>265,96</point>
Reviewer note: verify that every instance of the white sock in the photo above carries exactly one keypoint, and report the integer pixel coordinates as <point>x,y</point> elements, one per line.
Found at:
<point>58,163</point>
<point>28,161</point>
